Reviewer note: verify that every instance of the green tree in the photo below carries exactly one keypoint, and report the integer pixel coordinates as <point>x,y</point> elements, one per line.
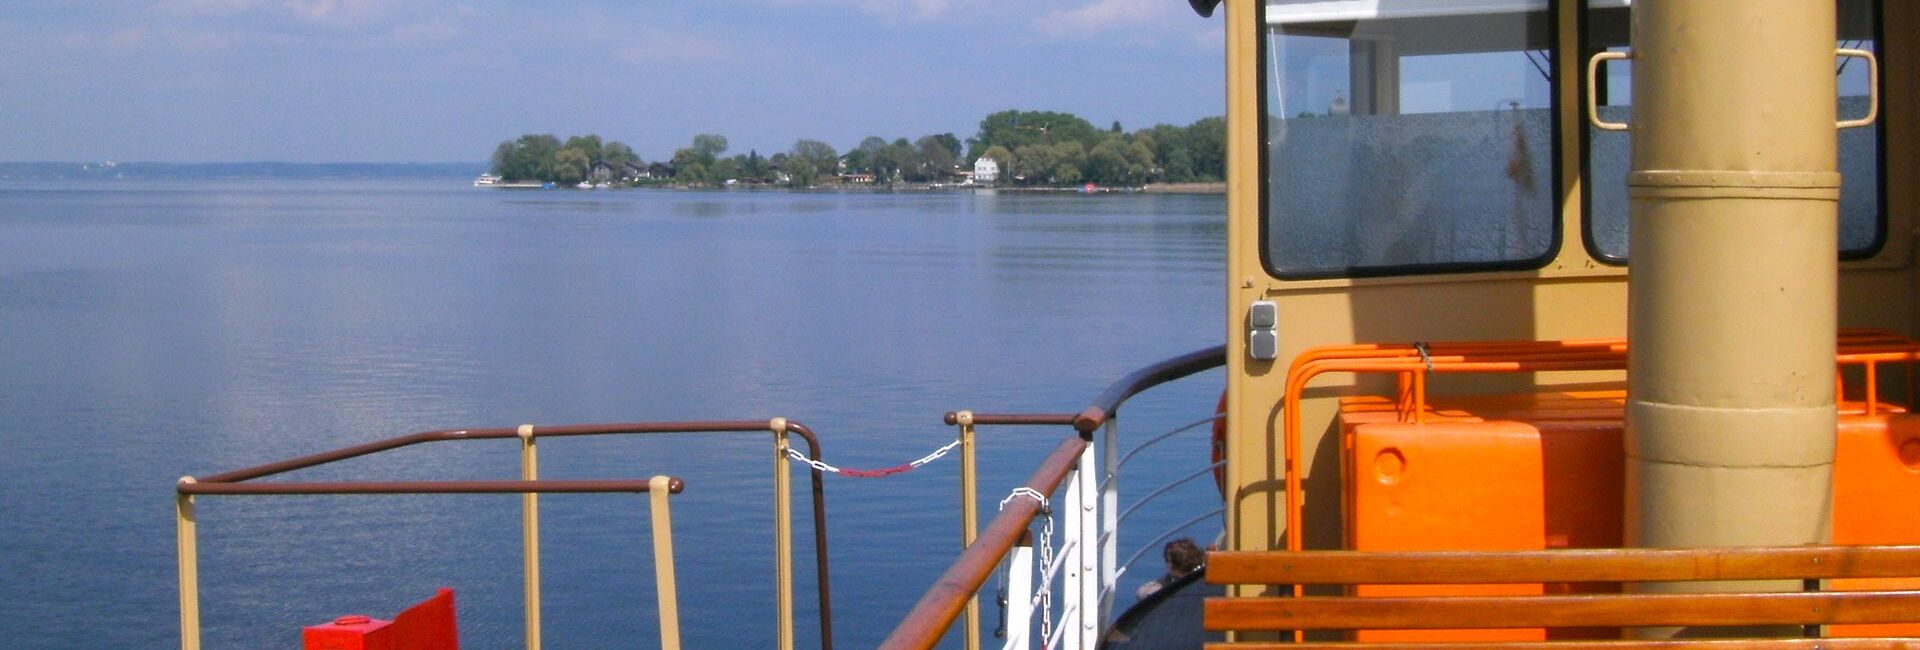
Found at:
<point>617,152</point>
<point>1170,151</point>
<point>692,172</point>
<point>1014,129</point>
<point>570,166</point>
<point>934,158</point>
<point>530,157</point>
<point>857,162</point>
<point>709,146</point>
<point>1207,147</point>
<point>870,154</point>
<point>1139,162</point>
<point>502,158</point>
<point>1000,155</point>
<point>587,144</point>
<point>688,156</point>
<point>950,142</point>
<point>726,169</point>
<point>820,155</point>
<point>1107,163</point>
<point>1036,163</point>
<point>800,171</point>
<point>756,167</point>
<point>902,161</point>
<point>1069,162</point>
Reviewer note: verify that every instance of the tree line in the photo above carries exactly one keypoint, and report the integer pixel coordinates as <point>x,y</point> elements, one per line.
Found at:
<point>1032,148</point>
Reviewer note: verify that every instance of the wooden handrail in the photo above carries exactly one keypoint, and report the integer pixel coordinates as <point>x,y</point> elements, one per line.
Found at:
<point>1744,605</point>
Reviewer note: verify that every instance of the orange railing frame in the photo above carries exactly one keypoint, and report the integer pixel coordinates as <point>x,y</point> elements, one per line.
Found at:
<point>1412,362</point>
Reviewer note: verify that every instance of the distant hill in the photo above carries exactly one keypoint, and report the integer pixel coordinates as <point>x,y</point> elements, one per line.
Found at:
<point>245,170</point>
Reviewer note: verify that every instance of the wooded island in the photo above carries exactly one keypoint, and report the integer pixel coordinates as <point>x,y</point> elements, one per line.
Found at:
<point>1013,148</point>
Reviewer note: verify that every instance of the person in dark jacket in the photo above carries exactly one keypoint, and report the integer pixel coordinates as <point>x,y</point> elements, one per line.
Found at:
<point>1183,557</point>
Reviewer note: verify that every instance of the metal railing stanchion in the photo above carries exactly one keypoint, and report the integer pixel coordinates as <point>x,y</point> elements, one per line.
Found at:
<point>969,518</point>
<point>1019,595</point>
<point>782,536</point>
<point>530,536</point>
<point>663,577</point>
<point>1071,549</point>
<point>187,540</point>
<point>1109,519</point>
<point>1089,583</point>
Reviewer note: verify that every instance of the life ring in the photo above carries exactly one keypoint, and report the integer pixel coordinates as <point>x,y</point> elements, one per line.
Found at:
<point>1220,445</point>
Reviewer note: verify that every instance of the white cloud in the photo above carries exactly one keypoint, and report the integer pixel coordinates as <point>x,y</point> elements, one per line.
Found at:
<point>330,13</point>
<point>908,10</point>
<point>654,46</point>
<point>1100,15</point>
<point>204,7</point>
<point>341,13</point>
<point>425,33</point>
<point>1212,40</point>
<point>142,38</point>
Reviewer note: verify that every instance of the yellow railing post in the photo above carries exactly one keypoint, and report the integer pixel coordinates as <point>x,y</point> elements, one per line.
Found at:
<point>189,549</point>
<point>782,536</point>
<point>658,489</point>
<point>530,535</point>
<point>969,524</point>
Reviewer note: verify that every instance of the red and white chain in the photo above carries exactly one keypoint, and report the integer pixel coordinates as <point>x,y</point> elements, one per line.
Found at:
<point>872,473</point>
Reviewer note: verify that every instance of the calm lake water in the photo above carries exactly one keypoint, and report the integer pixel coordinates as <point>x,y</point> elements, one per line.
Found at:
<point>154,330</point>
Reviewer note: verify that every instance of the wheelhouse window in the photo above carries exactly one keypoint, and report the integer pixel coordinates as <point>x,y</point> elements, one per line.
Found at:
<point>1407,137</point>
<point>1862,222</point>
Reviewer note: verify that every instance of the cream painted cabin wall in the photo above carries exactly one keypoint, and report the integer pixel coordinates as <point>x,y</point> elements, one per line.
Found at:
<point>1573,297</point>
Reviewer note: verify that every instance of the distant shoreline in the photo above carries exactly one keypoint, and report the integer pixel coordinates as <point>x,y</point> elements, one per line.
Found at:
<point>1155,188</point>
<point>236,171</point>
<point>1185,188</point>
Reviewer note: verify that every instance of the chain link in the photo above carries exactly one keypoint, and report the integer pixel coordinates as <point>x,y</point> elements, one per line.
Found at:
<point>872,473</point>
<point>1045,597</point>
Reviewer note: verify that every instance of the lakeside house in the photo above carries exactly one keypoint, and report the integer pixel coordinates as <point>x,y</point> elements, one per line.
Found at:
<point>632,170</point>
<point>986,170</point>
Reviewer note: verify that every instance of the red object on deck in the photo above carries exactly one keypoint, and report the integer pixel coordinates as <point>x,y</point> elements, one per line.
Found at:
<point>428,625</point>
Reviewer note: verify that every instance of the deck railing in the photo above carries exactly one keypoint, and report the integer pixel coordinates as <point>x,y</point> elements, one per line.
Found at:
<point>529,486</point>
<point>1088,563</point>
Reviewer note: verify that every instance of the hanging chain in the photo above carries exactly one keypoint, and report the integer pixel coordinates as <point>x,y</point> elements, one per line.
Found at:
<point>1045,597</point>
<point>872,473</point>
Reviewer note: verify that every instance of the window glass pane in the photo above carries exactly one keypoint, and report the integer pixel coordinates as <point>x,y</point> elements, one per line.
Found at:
<point>1608,152</point>
<point>1421,140</point>
<point>1860,218</point>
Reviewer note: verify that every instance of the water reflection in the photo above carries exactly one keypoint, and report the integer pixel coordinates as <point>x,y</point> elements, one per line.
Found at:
<point>154,330</point>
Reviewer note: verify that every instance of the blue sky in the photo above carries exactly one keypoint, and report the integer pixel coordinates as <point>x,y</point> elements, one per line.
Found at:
<point>446,80</point>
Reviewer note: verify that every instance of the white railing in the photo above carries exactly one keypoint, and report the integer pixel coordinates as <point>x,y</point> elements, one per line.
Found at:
<point>1086,568</point>
<point>1086,571</point>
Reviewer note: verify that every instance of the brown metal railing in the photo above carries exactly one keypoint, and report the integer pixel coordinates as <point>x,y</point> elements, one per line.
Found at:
<point>1109,401</point>
<point>658,488</point>
<point>235,483</point>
